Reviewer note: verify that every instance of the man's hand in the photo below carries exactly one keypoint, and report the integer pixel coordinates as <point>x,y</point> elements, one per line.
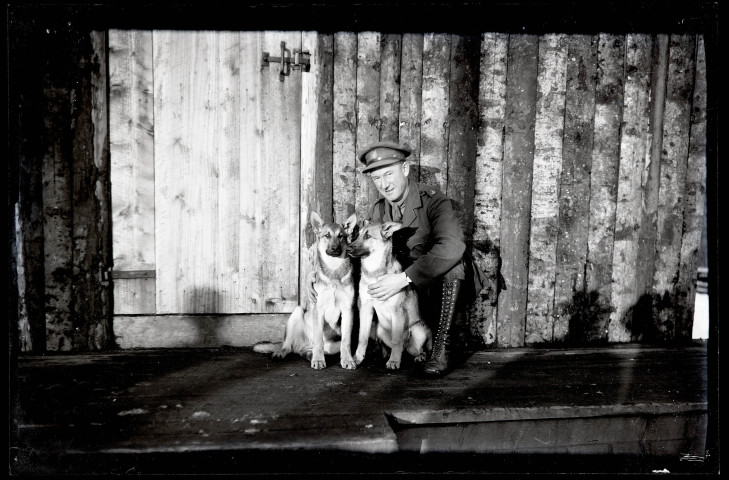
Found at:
<point>388,285</point>
<point>310,280</point>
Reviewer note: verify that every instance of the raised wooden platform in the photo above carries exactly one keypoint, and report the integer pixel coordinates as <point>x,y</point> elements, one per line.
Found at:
<point>624,408</point>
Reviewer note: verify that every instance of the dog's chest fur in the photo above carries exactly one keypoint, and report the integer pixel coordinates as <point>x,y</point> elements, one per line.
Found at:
<point>333,271</point>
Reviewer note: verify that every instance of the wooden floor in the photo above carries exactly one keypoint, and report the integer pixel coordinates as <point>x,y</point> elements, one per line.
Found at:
<point>625,408</point>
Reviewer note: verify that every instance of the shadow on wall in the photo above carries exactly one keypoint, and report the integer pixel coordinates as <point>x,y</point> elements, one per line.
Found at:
<point>203,302</point>
<point>653,319</point>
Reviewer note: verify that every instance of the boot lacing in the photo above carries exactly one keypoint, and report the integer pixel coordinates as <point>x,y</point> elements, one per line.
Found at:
<point>446,314</point>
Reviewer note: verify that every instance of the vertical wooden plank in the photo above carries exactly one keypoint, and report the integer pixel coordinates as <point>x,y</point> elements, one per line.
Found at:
<point>316,144</point>
<point>251,203</point>
<point>131,135</point>
<point>548,132</point>
<point>24,123</point>
<point>676,131</point>
<point>133,296</point>
<point>103,331</point>
<point>57,182</point>
<point>521,94</point>
<point>391,53</point>
<point>604,176</point>
<point>651,179</point>
<point>463,127</point>
<point>411,96</point>
<point>570,296</point>
<point>368,112</point>
<point>434,125</point>
<point>487,190</point>
<point>91,202</point>
<point>225,149</point>
<point>694,203</point>
<point>345,124</point>
<point>634,144</point>
<point>25,327</point>
<point>197,175</point>
<point>280,191</point>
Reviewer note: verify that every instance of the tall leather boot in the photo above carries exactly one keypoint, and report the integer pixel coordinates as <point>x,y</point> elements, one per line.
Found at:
<point>439,362</point>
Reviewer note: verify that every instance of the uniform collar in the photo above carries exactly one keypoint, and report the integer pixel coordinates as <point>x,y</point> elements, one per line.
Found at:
<point>412,202</point>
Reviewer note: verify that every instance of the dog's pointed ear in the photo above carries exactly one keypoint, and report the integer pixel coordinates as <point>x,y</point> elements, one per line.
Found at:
<point>316,222</point>
<point>351,228</point>
<point>351,223</point>
<point>389,228</point>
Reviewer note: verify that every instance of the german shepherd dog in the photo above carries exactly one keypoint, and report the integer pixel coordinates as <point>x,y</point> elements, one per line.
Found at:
<point>399,324</point>
<point>326,326</point>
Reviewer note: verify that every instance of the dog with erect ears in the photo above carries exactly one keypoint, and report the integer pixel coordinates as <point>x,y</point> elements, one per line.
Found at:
<point>325,327</point>
<point>399,324</point>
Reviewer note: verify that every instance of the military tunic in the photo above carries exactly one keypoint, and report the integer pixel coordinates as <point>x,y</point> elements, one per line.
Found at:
<point>437,247</point>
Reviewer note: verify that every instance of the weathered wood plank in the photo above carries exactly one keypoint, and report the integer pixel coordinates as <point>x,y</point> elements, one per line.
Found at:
<point>694,202</point>
<point>251,204</point>
<point>24,326</point>
<point>316,143</point>
<point>548,133</point>
<point>226,150</point>
<point>676,131</point>
<point>604,176</point>
<point>570,299</point>
<point>91,302</point>
<point>281,179</point>
<point>131,118</point>
<point>634,143</point>
<point>174,60</point>
<point>521,94</point>
<point>463,127</point>
<point>368,113</point>
<point>131,133</point>
<point>198,331</point>
<point>344,162</point>
<point>134,296</point>
<point>651,179</point>
<point>411,97</point>
<point>25,129</point>
<point>197,118</point>
<point>434,123</point>
<point>487,190</point>
<point>391,53</point>
<point>58,210</point>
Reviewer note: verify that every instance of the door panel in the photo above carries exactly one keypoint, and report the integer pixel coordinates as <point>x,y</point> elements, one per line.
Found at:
<point>270,178</point>
<point>226,168</point>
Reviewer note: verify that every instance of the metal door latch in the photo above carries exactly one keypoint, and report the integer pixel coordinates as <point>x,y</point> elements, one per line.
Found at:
<point>299,60</point>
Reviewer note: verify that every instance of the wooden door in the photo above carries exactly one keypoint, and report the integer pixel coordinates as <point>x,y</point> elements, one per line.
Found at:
<point>205,152</point>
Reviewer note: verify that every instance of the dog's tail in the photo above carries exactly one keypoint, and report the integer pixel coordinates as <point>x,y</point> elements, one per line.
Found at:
<point>266,347</point>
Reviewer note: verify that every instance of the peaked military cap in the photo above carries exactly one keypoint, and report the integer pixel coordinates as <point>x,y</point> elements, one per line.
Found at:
<point>381,154</point>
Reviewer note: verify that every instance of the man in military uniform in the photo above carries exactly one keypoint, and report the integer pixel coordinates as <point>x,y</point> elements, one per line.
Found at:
<point>436,262</point>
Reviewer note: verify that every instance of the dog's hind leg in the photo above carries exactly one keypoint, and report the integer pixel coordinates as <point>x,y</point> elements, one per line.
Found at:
<point>332,348</point>
<point>419,344</point>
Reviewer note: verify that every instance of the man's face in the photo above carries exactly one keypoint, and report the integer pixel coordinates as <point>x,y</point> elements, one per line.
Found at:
<point>391,181</point>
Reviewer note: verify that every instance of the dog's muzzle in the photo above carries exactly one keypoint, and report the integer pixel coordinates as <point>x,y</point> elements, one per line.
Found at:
<point>353,251</point>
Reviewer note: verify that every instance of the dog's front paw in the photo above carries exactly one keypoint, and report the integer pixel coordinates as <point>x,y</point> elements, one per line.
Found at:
<point>421,358</point>
<point>348,363</point>
<point>393,364</point>
<point>318,364</point>
<point>359,357</point>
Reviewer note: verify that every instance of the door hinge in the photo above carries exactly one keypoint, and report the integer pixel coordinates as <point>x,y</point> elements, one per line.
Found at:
<point>299,60</point>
